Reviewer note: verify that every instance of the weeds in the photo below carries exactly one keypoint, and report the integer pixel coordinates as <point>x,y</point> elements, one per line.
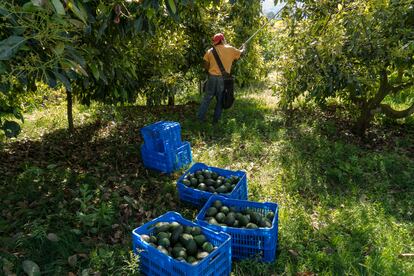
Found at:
<point>70,203</point>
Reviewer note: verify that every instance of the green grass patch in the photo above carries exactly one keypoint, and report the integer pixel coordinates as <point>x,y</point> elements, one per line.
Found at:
<point>70,202</point>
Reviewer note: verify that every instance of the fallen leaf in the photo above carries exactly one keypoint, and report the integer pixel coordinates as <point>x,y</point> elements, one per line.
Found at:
<point>293,253</point>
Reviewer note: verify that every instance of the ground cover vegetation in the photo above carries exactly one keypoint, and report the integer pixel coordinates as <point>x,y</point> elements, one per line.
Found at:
<point>311,135</point>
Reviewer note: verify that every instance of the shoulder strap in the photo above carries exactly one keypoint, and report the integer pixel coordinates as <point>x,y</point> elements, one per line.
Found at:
<point>219,63</point>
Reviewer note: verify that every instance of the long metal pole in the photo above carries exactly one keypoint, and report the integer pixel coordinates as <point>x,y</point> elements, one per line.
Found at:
<point>261,28</point>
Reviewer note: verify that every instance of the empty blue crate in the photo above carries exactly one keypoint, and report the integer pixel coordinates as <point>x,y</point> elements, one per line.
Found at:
<point>197,197</point>
<point>162,136</point>
<point>168,161</point>
<point>154,262</point>
<point>247,243</point>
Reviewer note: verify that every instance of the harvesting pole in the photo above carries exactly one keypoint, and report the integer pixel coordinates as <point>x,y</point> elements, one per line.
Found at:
<point>262,27</point>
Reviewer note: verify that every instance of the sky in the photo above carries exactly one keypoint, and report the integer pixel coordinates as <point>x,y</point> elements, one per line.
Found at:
<point>268,5</point>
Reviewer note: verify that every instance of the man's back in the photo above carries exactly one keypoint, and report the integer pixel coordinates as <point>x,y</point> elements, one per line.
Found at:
<point>227,55</point>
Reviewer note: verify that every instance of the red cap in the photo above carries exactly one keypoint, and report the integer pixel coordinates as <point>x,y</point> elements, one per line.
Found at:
<point>217,38</point>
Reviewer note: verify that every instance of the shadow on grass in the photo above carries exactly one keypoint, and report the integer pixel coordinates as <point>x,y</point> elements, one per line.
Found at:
<point>102,161</point>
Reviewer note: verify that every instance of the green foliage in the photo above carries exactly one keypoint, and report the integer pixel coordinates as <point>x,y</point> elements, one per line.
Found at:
<point>356,51</point>
<point>114,52</point>
<point>345,207</point>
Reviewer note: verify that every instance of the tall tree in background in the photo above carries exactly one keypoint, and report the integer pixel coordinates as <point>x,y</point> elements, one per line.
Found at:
<point>361,52</point>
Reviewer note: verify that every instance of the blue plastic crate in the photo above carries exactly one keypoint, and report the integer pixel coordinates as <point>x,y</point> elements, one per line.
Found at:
<point>198,198</point>
<point>247,243</point>
<point>154,262</point>
<point>162,136</point>
<point>169,161</point>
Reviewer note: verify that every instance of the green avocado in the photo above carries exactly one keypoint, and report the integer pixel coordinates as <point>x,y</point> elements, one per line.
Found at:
<point>220,217</point>
<point>163,250</point>
<point>225,210</point>
<point>200,239</point>
<point>146,238</point>
<point>251,226</point>
<point>191,247</point>
<point>176,233</point>
<point>202,255</point>
<point>208,247</point>
<point>221,190</point>
<point>164,242</point>
<point>217,204</point>
<point>211,212</point>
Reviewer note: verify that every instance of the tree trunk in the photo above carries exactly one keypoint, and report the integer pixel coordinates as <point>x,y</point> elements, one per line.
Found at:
<point>363,122</point>
<point>171,100</point>
<point>69,101</point>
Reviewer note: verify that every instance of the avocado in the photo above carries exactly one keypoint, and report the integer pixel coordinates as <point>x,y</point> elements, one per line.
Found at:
<point>161,227</point>
<point>196,231</point>
<point>211,212</point>
<point>200,239</point>
<point>179,252</point>
<point>163,250</point>
<point>211,189</point>
<point>186,182</point>
<point>218,183</point>
<point>194,181</point>
<point>207,174</point>
<point>176,233</point>
<point>174,225</point>
<point>191,247</point>
<point>224,209</point>
<point>200,179</point>
<point>221,190</point>
<point>214,175</point>
<point>239,215</point>
<point>202,187</point>
<point>198,173</point>
<point>191,260</point>
<point>255,217</point>
<point>145,238</point>
<point>187,229</point>
<point>210,182</point>
<point>208,247</point>
<point>243,221</point>
<point>164,242</point>
<point>162,235</point>
<point>181,259</point>
<point>270,215</point>
<point>236,223</point>
<point>217,204</point>
<point>251,226</point>
<point>202,255</point>
<point>185,239</point>
<point>153,239</point>
<point>212,221</point>
<point>220,217</point>
<point>230,219</point>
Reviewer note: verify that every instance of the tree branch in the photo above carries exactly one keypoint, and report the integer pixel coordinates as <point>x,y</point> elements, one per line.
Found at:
<point>396,114</point>
<point>398,88</point>
<point>383,90</point>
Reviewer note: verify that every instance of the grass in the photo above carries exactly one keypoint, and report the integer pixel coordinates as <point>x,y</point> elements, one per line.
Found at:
<point>70,202</point>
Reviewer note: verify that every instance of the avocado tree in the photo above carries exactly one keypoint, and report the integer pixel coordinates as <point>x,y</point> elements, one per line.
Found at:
<point>361,52</point>
<point>108,51</point>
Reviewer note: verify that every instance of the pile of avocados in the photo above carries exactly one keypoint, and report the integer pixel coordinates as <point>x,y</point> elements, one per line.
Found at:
<point>222,215</point>
<point>206,180</point>
<point>183,243</point>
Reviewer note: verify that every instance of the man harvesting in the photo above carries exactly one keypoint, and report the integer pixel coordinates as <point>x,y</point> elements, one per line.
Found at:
<point>215,83</point>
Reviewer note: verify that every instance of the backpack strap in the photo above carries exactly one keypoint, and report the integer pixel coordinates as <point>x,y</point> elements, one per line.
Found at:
<point>219,63</point>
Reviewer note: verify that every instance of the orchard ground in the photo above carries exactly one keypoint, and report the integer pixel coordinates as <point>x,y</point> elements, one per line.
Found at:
<point>69,203</point>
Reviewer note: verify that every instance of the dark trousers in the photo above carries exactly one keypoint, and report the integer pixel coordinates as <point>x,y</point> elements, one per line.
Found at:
<point>214,88</point>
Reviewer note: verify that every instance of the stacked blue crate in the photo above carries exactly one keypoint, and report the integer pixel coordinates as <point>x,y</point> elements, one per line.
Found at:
<point>163,149</point>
